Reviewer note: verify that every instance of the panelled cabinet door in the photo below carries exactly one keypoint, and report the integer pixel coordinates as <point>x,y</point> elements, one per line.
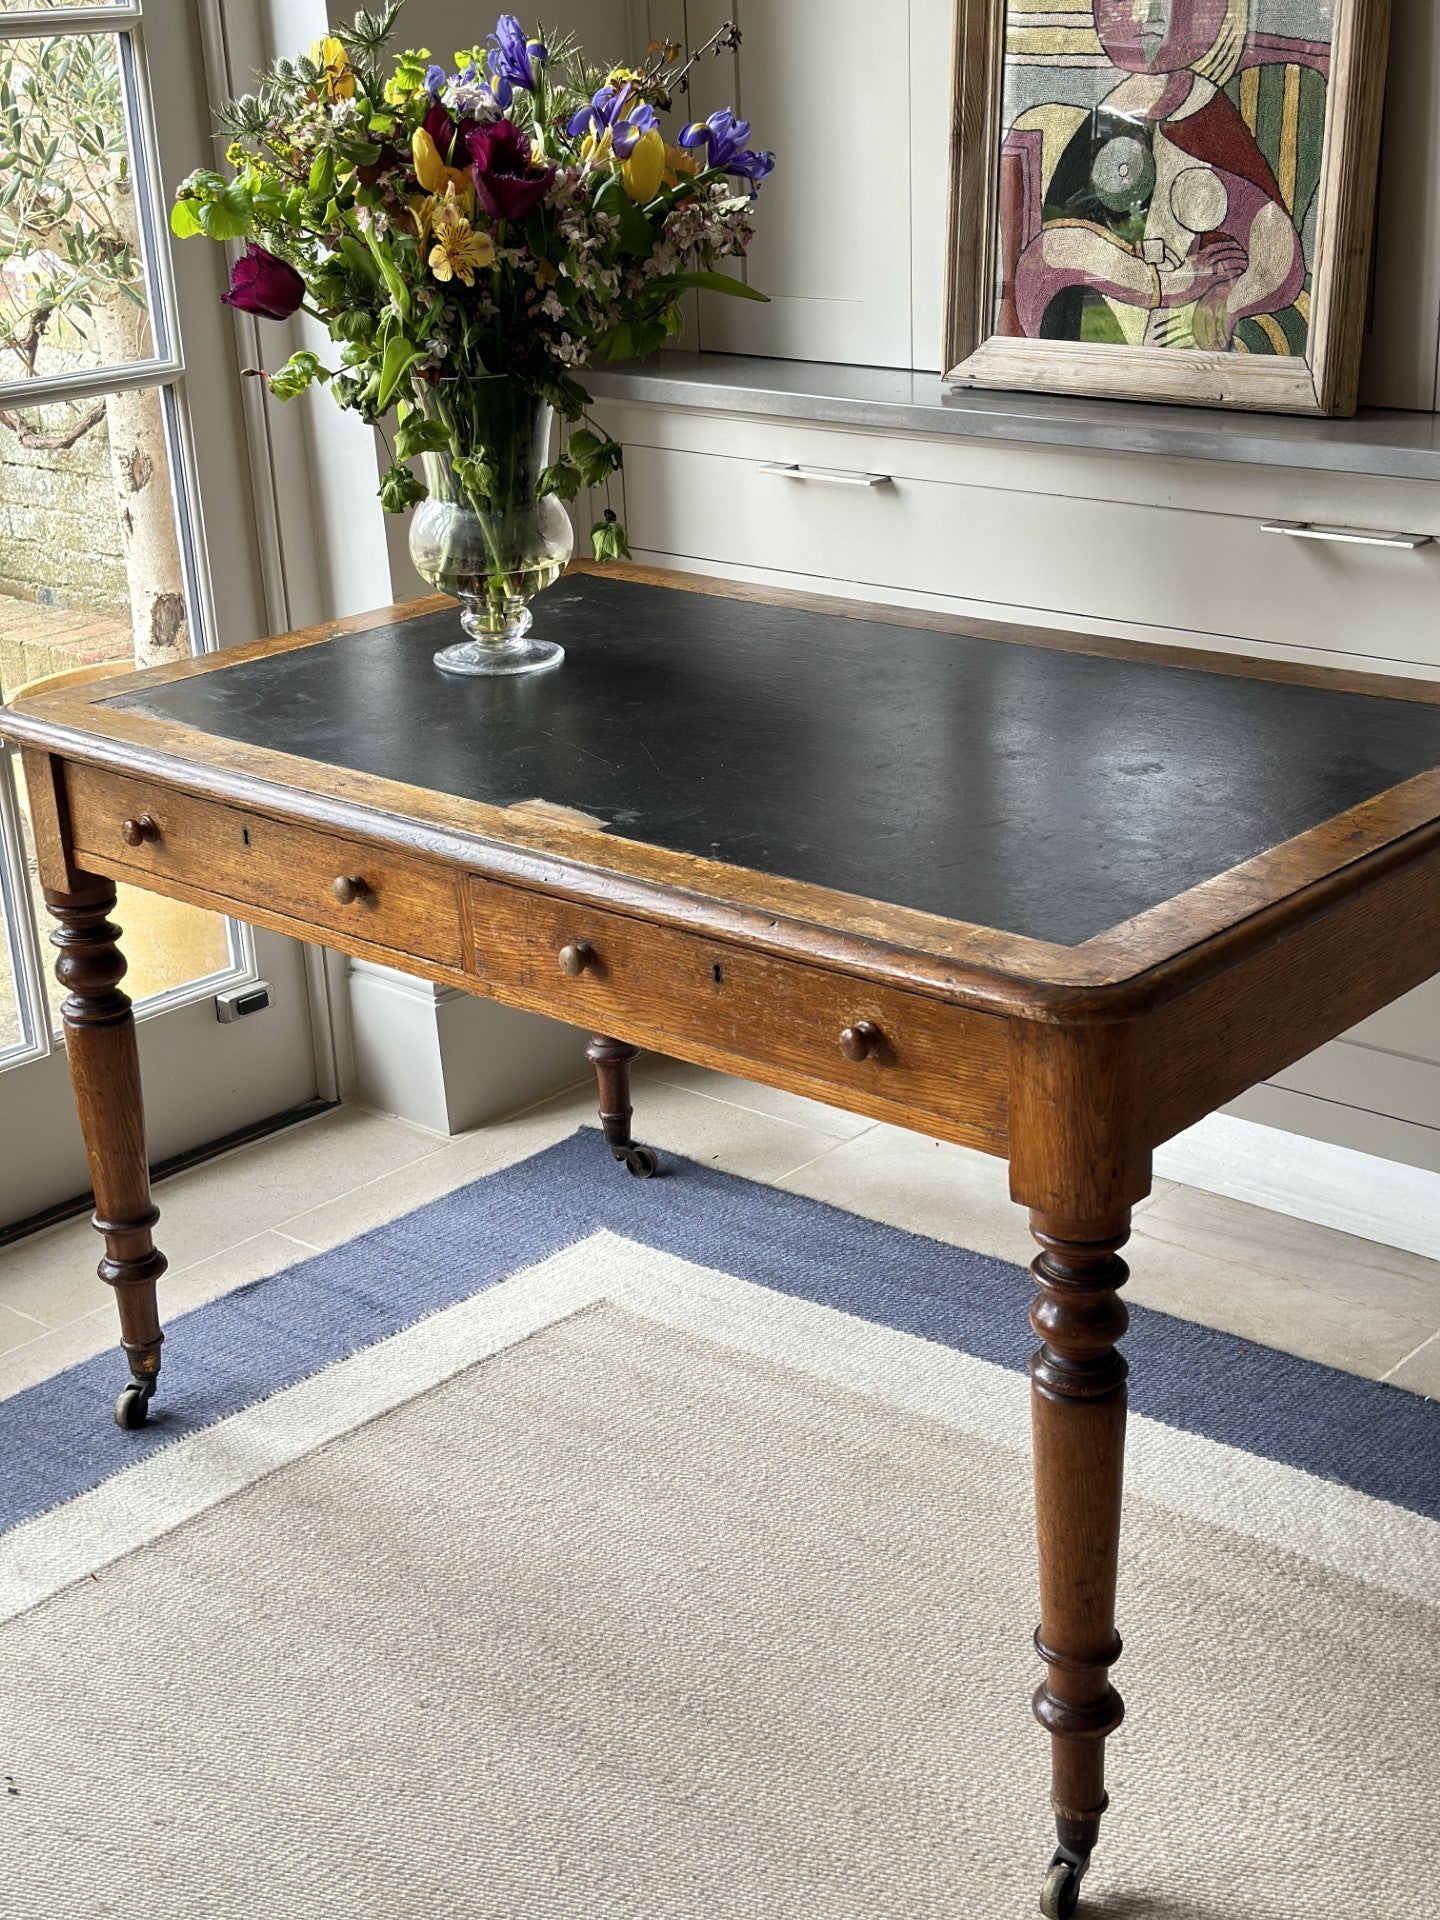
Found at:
<point>826,84</point>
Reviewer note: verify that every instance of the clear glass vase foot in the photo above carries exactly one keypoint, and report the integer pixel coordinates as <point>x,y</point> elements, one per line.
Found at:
<point>520,655</point>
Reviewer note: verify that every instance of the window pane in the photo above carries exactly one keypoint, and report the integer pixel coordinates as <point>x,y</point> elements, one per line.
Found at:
<point>90,578</point>
<point>12,1025</point>
<point>72,283</point>
<point>90,567</point>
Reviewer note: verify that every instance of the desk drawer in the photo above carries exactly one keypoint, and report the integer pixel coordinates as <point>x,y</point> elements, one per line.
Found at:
<point>753,1013</point>
<point>395,901</point>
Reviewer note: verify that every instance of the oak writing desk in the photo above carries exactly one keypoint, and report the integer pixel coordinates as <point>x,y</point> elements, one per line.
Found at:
<point>1050,897</point>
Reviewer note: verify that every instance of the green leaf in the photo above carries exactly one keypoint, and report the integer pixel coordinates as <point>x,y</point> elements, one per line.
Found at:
<point>479,478</point>
<point>300,371</point>
<point>595,458</point>
<point>358,258</point>
<point>416,434</point>
<point>711,283</point>
<point>184,219</point>
<point>399,292</point>
<point>399,356</point>
<point>563,479</point>
<point>226,216</point>
<point>321,183</point>
<point>607,537</point>
<point>401,489</point>
<point>354,325</point>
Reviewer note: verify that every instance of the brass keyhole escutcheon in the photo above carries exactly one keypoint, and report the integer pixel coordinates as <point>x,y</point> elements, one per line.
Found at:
<point>576,957</point>
<point>348,888</point>
<point>862,1041</point>
<point>137,831</point>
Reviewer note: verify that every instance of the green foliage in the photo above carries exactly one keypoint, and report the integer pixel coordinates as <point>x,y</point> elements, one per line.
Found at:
<point>211,205</point>
<point>409,75</point>
<point>712,283</point>
<point>596,458</point>
<point>401,489</point>
<point>636,235</point>
<point>607,537</point>
<point>563,479</point>
<point>416,434</point>
<point>300,371</point>
<point>478,477</point>
<point>396,361</point>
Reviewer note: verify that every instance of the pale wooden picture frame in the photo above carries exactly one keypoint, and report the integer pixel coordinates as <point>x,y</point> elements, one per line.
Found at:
<point>1321,380</point>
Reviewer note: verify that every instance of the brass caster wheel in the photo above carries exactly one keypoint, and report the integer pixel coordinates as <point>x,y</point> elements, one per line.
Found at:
<point>132,1409</point>
<point>1060,1894</point>
<point>642,1162</point>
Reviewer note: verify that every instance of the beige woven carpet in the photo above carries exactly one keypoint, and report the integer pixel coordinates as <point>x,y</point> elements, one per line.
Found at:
<point>623,1624</point>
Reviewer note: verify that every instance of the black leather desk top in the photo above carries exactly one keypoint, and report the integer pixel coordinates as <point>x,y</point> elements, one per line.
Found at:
<point>1039,792</point>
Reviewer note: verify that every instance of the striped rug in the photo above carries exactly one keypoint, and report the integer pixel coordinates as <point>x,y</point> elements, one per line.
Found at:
<point>577,1546</point>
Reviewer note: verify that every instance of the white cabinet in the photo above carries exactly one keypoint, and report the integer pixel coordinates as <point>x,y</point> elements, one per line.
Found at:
<point>1164,549</point>
<point>853,96</point>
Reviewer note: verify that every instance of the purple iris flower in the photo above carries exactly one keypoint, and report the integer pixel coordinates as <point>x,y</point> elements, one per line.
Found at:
<point>724,138</point>
<point>435,81</point>
<point>607,111</point>
<point>513,60</point>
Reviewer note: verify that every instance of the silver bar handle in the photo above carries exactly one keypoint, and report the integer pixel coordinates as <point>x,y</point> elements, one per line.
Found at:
<point>831,476</point>
<point>1346,536</point>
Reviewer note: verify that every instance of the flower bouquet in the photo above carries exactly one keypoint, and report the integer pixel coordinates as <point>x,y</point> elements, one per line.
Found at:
<point>471,237</point>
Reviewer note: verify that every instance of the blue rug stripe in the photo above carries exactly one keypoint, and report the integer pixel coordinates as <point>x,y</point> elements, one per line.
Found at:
<point>56,1440</point>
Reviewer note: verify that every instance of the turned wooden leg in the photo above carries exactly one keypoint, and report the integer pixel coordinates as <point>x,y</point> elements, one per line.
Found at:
<point>105,1072</point>
<point>1078,1410</point>
<point>611,1061</point>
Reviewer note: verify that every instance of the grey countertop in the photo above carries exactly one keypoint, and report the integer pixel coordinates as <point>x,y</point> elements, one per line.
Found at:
<point>1389,443</point>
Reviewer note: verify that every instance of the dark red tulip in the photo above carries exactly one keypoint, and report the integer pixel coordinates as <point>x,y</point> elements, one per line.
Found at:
<point>259,283</point>
<point>507,181</point>
<point>441,129</point>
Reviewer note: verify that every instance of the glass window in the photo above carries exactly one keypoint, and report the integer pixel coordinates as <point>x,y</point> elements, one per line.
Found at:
<point>73,286</point>
<point>92,581</point>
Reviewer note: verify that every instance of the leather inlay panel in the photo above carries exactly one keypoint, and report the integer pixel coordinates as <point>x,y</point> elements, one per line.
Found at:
<point>1040,792</point>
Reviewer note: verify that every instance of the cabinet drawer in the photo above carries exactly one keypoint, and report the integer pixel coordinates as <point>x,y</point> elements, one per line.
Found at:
<point>1173,568</point>
<point>753,1013</point>
<point>397,902</point>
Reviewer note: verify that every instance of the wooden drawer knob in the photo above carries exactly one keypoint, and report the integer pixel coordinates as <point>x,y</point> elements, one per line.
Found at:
<point>136,832</point>
<point>348,888</point>
<point>575,958</point>
<point>861,1041</point>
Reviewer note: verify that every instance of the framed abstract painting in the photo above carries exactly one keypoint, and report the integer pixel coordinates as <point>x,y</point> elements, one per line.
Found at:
<point>1165,199</point>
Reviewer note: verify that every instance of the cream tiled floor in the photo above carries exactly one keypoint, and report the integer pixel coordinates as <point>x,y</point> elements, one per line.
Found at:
<point>1369,1309</point>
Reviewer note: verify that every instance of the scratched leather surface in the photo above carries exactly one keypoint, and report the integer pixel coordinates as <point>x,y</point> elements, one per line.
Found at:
<point>1039,792</point>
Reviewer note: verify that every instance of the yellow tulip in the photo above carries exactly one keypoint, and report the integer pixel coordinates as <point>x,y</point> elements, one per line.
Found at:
<point>432,173</point>
<point>334,63</point>
<point>643,172</point>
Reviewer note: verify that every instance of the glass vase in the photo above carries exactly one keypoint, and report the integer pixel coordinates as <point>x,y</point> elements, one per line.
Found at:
<point>489,537</point>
